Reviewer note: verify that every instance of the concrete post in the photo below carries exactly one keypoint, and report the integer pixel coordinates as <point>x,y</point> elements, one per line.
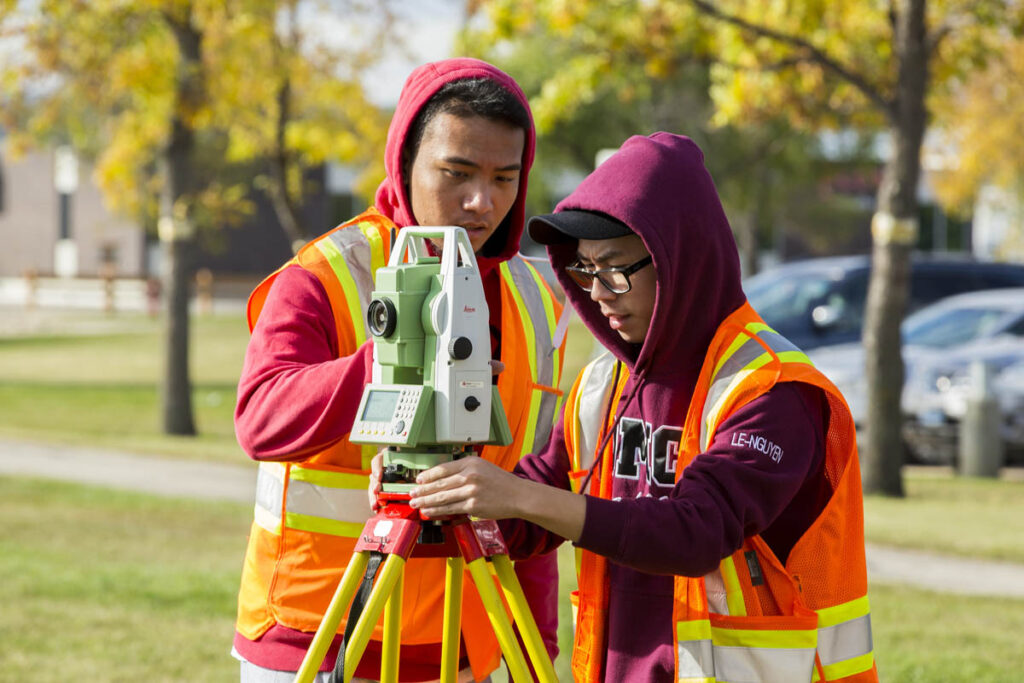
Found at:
<point>981,445</point>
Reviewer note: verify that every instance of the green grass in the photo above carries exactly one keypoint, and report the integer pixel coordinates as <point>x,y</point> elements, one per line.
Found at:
<point>99,585</point>
<point>969,517</point>
<point>95,381</point>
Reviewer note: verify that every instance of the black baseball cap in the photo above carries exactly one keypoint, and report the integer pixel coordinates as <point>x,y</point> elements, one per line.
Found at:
<point>575,224</point>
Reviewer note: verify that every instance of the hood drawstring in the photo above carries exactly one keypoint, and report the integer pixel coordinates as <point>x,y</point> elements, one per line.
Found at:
<point>635,393</point>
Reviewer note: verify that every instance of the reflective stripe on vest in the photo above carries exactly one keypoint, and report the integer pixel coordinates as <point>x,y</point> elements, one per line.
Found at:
<point>845,643</point>
<point>348,252</point>
<point>591,400</point>
<point>320,501</point>
<point>537,313</point>
<point>746,353</point>
<point>710,653</point>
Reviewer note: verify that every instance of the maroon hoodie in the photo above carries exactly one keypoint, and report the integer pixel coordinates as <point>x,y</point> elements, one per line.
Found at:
<point>654,527</point>
<point>296,396</point>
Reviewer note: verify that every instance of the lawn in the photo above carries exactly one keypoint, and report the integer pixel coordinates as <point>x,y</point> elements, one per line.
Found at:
<point>112,586</point>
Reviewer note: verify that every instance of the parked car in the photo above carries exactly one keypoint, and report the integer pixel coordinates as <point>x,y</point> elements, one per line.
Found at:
<point>935,399</point>
<point>819,302</point>
<point>940,342</point>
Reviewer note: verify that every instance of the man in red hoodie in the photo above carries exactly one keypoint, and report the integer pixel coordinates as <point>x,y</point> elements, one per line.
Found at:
<point>721,530</point>
<point>459,149</point>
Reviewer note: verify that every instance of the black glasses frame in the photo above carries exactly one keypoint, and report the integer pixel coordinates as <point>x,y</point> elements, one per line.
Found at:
<point>585,278</point>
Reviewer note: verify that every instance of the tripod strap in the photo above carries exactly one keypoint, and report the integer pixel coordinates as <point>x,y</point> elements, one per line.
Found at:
<point>354,612</point>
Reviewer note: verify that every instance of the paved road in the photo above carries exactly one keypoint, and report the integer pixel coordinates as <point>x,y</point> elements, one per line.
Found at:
<point>214,481</point>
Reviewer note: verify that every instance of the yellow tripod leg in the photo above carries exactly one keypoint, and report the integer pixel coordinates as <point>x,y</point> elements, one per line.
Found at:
<point>514,658</point>
<point>389,576</point>
<point>392,627</point>
<point>524,619</point>
<point>451,634</point>
<point>329,626</point>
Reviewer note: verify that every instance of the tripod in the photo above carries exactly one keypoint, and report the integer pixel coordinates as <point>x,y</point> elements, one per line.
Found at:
<point>394,533</point>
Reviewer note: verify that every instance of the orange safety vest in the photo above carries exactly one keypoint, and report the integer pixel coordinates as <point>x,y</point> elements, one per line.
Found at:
<point>807,620</point>
<point>309,513</point>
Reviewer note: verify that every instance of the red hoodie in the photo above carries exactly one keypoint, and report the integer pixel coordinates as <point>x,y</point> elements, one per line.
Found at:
<point>654,527</point>
<point>296,396</point>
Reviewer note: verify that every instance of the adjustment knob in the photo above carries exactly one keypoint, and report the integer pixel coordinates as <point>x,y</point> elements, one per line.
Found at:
<point>460,348</point>
<point>472,403</point>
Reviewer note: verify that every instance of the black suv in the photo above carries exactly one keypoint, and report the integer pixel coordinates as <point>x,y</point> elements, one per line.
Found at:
<point>821,301</point>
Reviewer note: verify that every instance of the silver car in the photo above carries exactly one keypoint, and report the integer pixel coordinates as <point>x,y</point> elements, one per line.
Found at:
<point>940,342</point>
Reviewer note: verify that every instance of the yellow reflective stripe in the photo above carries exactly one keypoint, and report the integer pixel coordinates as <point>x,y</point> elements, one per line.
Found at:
<point>702,679</point>
<point>830,616</point>
<point>524,316</point>
<point>739,341</point>
<point>699,629</point>
<point>769,639</point>
<point>334,480</point>
<point>320,525</point>
<point>348,285</point>
<point>794,357</point>
<point>549,311</point>
<point>531,422</point>
<point>755,327</point>
<point>267,520</point>
<point>739,377</point>
<point>733,591</point>
<point>367,451</point>
<point>736,380</point>
<point>849,667</point>
<point>376,246</point>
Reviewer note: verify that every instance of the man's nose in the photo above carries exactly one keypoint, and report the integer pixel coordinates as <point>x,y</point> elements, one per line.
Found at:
<point>479,200</point>
<point>598,292</point>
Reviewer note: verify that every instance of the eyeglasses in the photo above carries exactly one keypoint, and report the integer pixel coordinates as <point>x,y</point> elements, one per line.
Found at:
<point>615,280</point>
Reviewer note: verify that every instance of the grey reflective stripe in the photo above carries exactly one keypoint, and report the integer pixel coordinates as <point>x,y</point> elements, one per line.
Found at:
<point>332,503</point>
<point>544,348</point>
<point>749,351</point>
<point>341,505</point>
<point>269,492</point>
<point>845,640</point>
<point>592,400</point>
<point>696,659</point>
<point>714,588</point>
<point>355,248</point>
<point>769,664</point>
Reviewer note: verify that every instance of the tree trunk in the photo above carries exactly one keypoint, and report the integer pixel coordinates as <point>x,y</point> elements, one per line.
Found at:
<point>176,394</point>
<point>285,208</point>
<point>894,233</point>
<point>176,230</point>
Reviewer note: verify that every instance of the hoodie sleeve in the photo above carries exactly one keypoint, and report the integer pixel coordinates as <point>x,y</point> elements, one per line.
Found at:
<point>295,396</point>
<point>736,489</point>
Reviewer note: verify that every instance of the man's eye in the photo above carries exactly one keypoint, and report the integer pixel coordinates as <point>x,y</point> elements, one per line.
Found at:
<point>454,173</point>
<point>506,179</point>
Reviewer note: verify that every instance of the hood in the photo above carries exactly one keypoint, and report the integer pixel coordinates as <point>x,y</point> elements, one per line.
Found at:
<point>659,187</point>
<point>391,199</point>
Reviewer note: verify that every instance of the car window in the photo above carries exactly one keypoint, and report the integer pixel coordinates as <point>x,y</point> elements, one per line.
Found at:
<point>952,326</point>
<point>847,301</point>
<point>784,298</point>
<point>1016,329</point>
<point>930,285</point>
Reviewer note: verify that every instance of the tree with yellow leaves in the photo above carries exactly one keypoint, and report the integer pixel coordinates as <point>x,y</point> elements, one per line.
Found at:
<point>148,86</point>
<point>875,66</point>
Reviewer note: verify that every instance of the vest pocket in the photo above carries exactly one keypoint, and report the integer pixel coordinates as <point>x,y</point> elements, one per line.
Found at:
<point>770,649</point>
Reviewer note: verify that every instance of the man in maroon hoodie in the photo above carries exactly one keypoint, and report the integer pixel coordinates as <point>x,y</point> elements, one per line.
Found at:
<point>647,259</point>
<point>459,149</point>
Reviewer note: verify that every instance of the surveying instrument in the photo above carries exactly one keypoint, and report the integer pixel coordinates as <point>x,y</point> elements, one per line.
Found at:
<point>430,401</point>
